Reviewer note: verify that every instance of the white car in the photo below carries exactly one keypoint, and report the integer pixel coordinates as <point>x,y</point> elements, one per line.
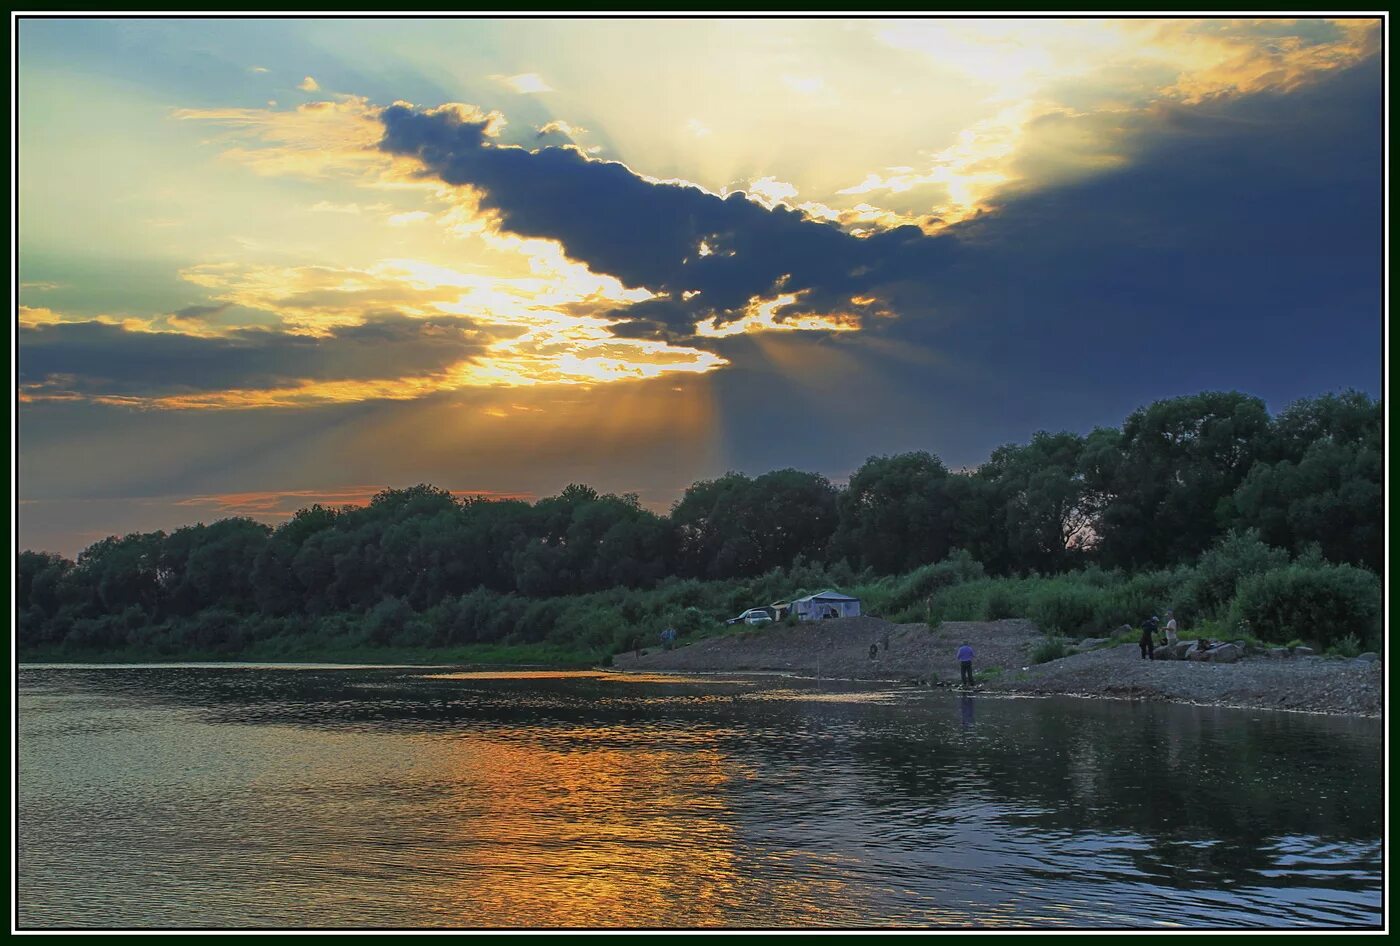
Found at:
<point>752,616</point>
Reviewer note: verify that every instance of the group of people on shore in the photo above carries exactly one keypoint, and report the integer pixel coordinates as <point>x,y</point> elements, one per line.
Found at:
<point>1148,641</point>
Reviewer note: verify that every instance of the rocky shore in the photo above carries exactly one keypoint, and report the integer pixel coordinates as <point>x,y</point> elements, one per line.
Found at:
<point>913,653</point>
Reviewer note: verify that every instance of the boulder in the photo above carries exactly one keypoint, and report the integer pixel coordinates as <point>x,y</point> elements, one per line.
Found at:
<point>1182,648</point>
<point>1369,657</point>
<point>1225,653</point>
<point>1303,652</point>
<point>1278,651</point>
<point>1089,643</point>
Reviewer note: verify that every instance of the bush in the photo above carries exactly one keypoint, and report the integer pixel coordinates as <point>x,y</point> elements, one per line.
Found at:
<point>386,619</point>
<point>1216,577</point>
<point>1322,603</point>
<point>1052,648</point>
<point>1063,608</point>
<point>1002,602</point>
<point>1349,646</point>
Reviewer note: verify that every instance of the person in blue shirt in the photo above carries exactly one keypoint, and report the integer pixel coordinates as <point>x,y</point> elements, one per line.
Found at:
<point>965,662</point>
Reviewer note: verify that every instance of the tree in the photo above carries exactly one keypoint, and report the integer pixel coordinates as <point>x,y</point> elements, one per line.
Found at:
<point>736,526</point>
<point>1324,486</point>
<point>1179,461</point>
<point>896,513</point>
<point>1041,502</point>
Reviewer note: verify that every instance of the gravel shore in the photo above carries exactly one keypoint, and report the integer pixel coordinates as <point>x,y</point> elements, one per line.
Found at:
<point>841,649</point>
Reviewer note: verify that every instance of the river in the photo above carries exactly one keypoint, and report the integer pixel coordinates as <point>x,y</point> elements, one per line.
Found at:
<point>314,796</point>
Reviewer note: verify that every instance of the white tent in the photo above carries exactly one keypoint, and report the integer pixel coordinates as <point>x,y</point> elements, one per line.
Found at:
<point>826,604</point>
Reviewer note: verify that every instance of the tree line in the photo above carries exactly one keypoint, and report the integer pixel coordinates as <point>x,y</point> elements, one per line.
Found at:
<point>1156,491</point>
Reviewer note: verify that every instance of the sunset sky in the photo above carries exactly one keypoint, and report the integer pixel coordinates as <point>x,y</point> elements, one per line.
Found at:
<point>266,263</point>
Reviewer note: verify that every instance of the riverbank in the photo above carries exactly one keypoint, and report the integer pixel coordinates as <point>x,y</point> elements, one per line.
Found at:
<point>915,653</point>
<point>469,654</point>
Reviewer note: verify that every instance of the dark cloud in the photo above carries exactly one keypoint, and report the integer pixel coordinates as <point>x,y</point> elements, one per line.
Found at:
<point>95,358</point>
<point>650,234</point>
<point>1240,249</point>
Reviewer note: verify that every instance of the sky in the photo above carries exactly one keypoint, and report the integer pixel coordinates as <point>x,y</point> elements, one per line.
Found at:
<point>270,262</point>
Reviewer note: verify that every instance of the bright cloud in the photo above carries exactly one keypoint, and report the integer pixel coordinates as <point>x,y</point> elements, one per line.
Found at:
<point>1096,75</point>
<point>525,83</point>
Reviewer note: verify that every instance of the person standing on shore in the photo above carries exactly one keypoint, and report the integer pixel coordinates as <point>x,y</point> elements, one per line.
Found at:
<point>965,663</point>
<point>1171,629</point>
<point>1145,643</point>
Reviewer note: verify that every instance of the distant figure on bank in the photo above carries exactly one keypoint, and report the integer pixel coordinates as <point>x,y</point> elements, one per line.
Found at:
<point>668,637</point>
<point>965,662</point>
<point>636,646</point>
<point>1171,629</point>
<point>1149,627</point>
<point>874,651</point>
<point>886,640</point>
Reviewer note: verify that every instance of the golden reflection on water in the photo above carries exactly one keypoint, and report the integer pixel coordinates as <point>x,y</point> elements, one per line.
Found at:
<point>591,835</point>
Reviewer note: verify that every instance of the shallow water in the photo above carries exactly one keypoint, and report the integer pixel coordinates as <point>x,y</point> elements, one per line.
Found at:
<point>407,797</point>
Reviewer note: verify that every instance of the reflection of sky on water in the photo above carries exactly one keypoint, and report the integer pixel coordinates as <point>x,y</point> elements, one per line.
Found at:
<point>399,798</point>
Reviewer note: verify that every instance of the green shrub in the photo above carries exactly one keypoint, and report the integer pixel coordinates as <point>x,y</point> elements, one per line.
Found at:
<point>1063,608</point>
<point>1002,602</point>
<point>965,602</point>
<point>909,594</point>
<point>1322,603</point>
<point>1349,646</point>
<point>1213,582</point>
<point>1052,648</point>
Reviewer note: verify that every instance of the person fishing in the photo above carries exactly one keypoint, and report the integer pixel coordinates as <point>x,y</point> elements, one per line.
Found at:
<point>965,663</point>
<point>1145,644</point>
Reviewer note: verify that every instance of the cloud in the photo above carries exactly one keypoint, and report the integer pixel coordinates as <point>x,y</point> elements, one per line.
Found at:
<point>327,207</point>
<point>697,128</point>
<point>1071,95</point>
<point>200,311</point>
<point>526,83</point>
<point>314,140</point>
<point>34,316</point>
<point>309,85</point>
<point>257,69</point>
<point>389,354</point>
<point>770,191</point>
<point>410,217</point>
<point>709,256</point>
<point>561,128</point>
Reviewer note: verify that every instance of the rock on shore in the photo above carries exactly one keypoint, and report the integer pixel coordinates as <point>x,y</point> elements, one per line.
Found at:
<point>1311,684</point>
<point>840,648</point>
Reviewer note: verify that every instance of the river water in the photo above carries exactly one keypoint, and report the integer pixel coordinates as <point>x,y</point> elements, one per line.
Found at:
<point>307,796</point>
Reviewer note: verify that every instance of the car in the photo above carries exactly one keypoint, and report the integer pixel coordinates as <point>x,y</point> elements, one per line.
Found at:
<point>752,616</point>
